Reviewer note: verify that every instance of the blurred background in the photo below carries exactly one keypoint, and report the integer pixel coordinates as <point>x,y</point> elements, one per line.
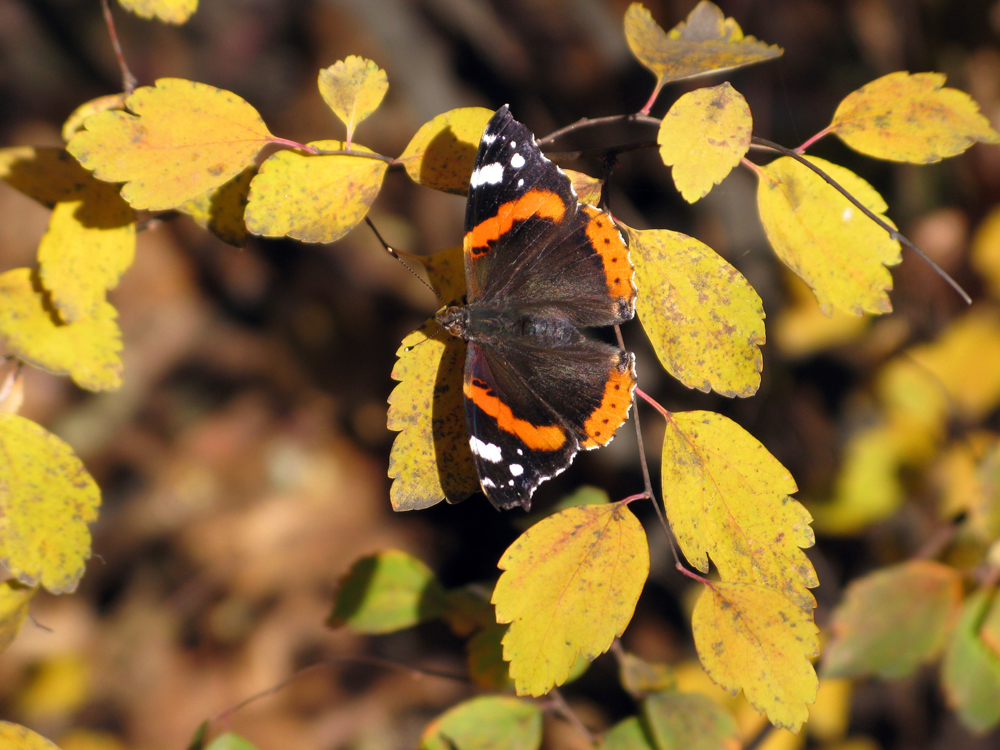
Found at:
<point>243,464</point>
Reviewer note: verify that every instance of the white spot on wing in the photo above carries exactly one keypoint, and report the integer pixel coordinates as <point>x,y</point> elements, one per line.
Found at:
<point>520,183</point>
<point>517,161</point>
<point>491,174</point>
<point>487,482</point>
<point>486,451</point>
<point>516,469</point>
<point>488,138</point>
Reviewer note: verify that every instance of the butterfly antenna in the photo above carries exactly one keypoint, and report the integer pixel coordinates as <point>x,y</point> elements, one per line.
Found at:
<point>395,254</point>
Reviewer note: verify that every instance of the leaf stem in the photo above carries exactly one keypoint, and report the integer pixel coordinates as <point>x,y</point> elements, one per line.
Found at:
<point>810,141</point>
<point>586,123</point>
<point>128,80</point>
<point>894,233</point>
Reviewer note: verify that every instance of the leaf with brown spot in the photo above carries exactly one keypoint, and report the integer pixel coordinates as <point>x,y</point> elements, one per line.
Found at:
<point>313,198</point>
<point>443,151</point>
<point>353,88</point>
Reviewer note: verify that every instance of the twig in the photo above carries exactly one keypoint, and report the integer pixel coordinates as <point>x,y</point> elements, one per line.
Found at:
<point>128,80</point>
<point>894,233</point>
<point>562,708</point>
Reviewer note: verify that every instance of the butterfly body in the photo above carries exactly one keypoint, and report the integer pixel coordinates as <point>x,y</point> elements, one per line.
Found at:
<point>539,268</point>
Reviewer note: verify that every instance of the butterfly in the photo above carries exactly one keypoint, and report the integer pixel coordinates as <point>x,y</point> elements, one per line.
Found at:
<point>539,267</point>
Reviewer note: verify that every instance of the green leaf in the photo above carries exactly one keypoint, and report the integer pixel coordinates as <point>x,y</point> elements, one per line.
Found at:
<point>688,721</point>
<point>47,499</point>
<point>627,734</point>
<point>970,673</point>
<point>493,723</point>
<point>385,592</point>
<point>892,620</point>
<point>230,741</point>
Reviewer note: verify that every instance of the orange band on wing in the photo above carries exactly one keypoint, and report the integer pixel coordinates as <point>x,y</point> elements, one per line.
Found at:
<point>606,239</point>
<point>542,203</point>
<point>535,437</point>
<point>608,417</point>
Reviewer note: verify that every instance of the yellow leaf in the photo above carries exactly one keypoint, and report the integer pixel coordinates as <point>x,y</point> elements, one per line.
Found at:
<point>47,175</point>
<point>910,117</point>
<point>706,42</point>
<point>802,329</point>
<point>837,250</point>
<point>916,409</point>
<point>569,587</point>
<point>754,638</point>
<point>893,620</point>
<point>446,272</point>
<point>727,497</point>
<point>221,209</point>
<point>79,116</point>
<point>47,498</point>
<point>86,350</point>
<point>179,140</point>
<point>703,137</point>
<point>168,11</point>
<point>830,715</point>
<point>81,738</point>
<point>14,600</point>
<point>689,721</point>
<point>313,198</point>
<point>965,361</point>
<point>968,480</point>
<point>985,253</point>
<point>430,459</point>
<point>353,88</point>
<point>58,688</point>
<point>15,736</point>
<point>442,153</point>
<point>588,189</point>
<point>88,246</point>
<point>868,488</point>
<point>704,320</point>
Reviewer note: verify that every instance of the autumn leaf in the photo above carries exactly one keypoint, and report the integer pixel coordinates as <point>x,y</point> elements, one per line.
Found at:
<point>703,137</point>
<point>47,499</point>
<point>490,721</point>
<point>837,250</point>
<point>386,592</point>
<point>689,721</point>
<point>221,209</point>
<point>430,459</point>
<point>313,198</point>
<point>569,587</point>
<point>910,117</point>
<point>353,88</point>
<point>446,272</point>
<point>87,350</point>
<point>79,116</point>
<point>443,151</point>
<point>970,673</point>
<point>703,318</point>
<point>868,487</point>
<point>893,620</point>
<point>706,42</point>
<point>47,175</point>
<point>756,639</point>
<point>168,11</point>
<point>178,140</point>
<point>802,329</point>
<point>22,738</point>
<point>965,362</point>
<point>640,677</point>
<point>484,656</point>
<point>985,252</point>
<point>14,600</point>
<point>967,476</point>
<point>588,189</point>
<point>88,246</point>
<point>727,498</point>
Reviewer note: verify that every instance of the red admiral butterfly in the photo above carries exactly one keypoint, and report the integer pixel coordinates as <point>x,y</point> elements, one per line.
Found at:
<point>539,266</point>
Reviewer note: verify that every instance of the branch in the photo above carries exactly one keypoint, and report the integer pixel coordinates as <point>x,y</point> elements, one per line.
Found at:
<point>894,233</point>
